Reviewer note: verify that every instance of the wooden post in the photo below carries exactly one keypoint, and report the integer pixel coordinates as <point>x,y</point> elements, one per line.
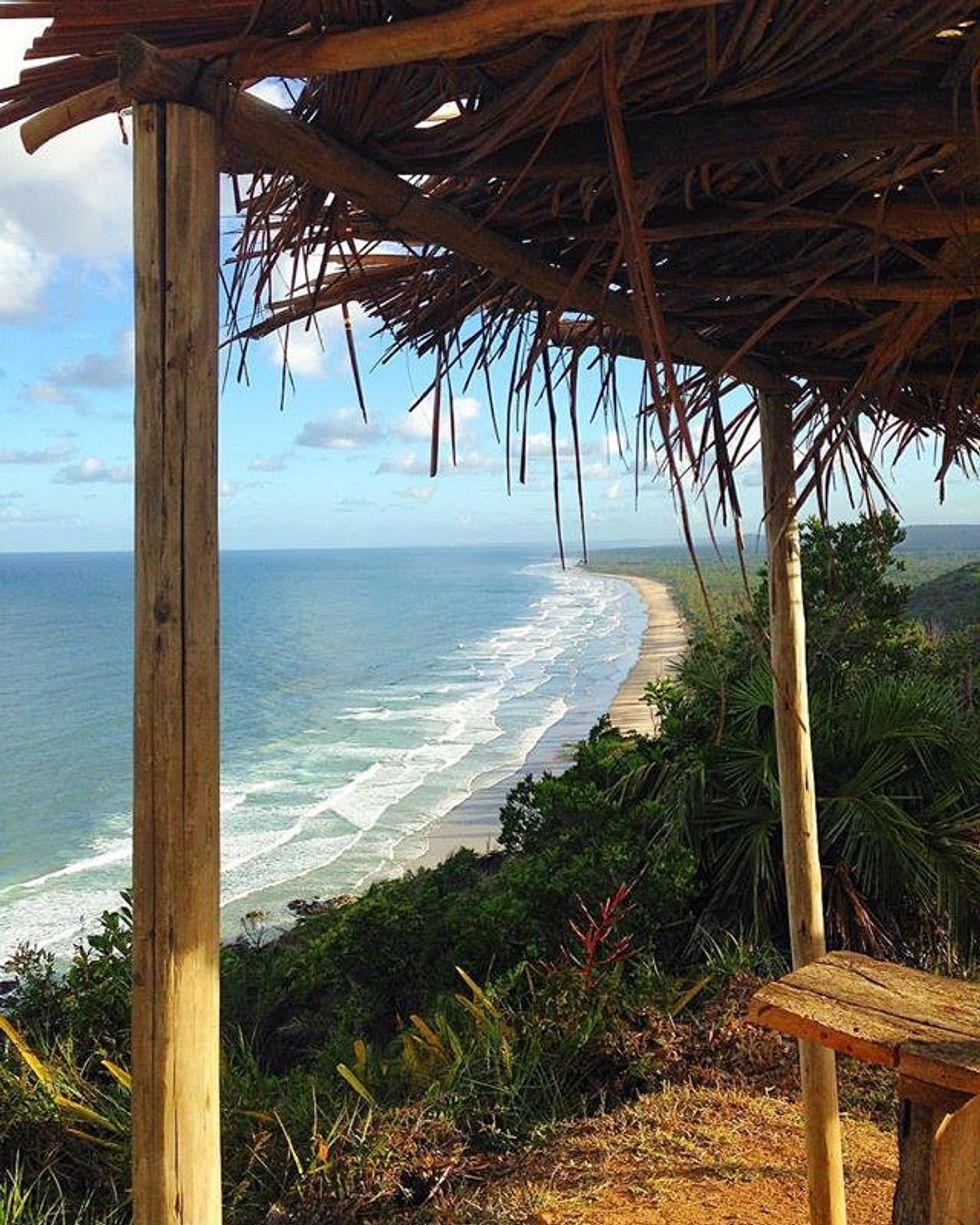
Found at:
<point>797,795</point>
<point>176,1142</point>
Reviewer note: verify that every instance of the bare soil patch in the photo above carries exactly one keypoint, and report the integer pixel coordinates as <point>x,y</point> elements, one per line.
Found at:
<point>683,1157</point>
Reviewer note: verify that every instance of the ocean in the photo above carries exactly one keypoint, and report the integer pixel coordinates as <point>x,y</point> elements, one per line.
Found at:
<point>366,694</point>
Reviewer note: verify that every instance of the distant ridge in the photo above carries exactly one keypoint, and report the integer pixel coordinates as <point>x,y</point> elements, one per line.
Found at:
<point>941,538</point>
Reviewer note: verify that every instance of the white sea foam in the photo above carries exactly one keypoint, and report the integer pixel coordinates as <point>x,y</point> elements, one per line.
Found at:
<point>335,810</point>
<point>102,859</point>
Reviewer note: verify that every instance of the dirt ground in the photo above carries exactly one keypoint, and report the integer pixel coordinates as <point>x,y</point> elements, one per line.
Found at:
<point>686,1157</point>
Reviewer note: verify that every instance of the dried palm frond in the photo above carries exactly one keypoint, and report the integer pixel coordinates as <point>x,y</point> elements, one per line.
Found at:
<point>735,192</point>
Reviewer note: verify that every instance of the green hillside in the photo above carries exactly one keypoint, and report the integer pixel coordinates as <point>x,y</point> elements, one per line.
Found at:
<point>952,600</point>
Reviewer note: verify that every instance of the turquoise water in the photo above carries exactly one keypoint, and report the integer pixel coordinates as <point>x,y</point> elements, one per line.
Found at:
<point>365,694</point>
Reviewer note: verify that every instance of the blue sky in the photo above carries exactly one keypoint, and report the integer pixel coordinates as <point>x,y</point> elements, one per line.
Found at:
<point>308,475</point>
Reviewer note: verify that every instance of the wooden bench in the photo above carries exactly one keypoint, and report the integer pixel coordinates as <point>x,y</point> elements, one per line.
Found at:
<point>925,1027</point>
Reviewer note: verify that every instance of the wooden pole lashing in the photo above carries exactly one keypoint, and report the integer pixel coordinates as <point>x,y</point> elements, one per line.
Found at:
<point>825,1175</point>
<point>176,1141</point>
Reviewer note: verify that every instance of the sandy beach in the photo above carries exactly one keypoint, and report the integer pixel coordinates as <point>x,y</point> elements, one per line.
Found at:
<point>474,824</point>
<point>661,648</point>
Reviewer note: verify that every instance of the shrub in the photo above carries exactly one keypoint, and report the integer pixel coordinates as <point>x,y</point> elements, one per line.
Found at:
<point>88,1007</point>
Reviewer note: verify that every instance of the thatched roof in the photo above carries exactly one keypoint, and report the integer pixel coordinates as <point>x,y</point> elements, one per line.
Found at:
<point>783,194</point>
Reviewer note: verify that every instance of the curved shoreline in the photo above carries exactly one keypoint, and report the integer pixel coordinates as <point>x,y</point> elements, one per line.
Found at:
<point>661,647</point>
<point>475,823</point>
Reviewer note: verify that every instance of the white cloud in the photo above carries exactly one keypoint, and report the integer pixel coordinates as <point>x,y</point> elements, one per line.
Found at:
<point>13,516</point>
<point>55,454</point>
<point>228,489</point>
<point>417,424</point>
<point>24,272</point>
<point>302,350</point>
<point>92,371</point>
<point>418,493</point>
<point>102,371</point>
<point>267,463</point>
<point>614,492</point>
<point>303,346</point>
<point>405,463</point>
<point>539,446</point>
<point>466,408</point>
<point>348,505</point>
<point>92,471</point>
<point>468,460</point>
<point>47,392</point>
<point>344,430</point>
<point>474,460</point>
<point>71,198</point>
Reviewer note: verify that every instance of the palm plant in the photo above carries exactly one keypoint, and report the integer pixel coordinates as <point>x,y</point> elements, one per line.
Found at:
<point>898,781</point>
<point>898,797</point>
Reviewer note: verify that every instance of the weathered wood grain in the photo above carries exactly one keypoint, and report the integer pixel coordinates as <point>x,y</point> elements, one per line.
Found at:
<point>925,1026</point>
<point>475,27</point>
<point>908,995</point>
<point>698,137</point>
<point>176,1143</point>
<point>872,1038</point>
<point>947,1100</point>
<point>275,138</point>
<point>917,1126</point>
<point>955,1181</point>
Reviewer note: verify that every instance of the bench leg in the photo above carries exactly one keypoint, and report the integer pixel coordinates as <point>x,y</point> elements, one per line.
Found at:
<point>917,1125</point>
<point>939,1165</point>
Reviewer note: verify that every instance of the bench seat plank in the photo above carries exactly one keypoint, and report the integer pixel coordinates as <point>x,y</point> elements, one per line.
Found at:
<point>866,1035</point>
<point>926,1027</point>
<point>940,1002</point>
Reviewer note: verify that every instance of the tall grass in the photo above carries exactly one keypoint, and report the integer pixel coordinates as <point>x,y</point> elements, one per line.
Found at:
<point>43,1202</point>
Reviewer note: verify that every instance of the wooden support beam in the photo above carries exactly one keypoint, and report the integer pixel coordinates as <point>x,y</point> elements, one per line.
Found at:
<point>825,1174</point>
<point>817,369</point>
<point>475,27</point>
<point>825,123</point>
<point>176,1142</point>
<point>72,113</point>
<point>895,219</point>
<point>278,139</point>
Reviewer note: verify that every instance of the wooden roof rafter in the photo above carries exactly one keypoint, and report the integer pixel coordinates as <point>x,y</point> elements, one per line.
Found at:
<point>276,138</point>
<point>472,28</point>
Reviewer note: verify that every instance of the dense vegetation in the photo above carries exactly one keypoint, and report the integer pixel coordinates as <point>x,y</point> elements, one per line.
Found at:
<point>951,601</point>
<point>924,553</point>
<point>381,1043</point>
